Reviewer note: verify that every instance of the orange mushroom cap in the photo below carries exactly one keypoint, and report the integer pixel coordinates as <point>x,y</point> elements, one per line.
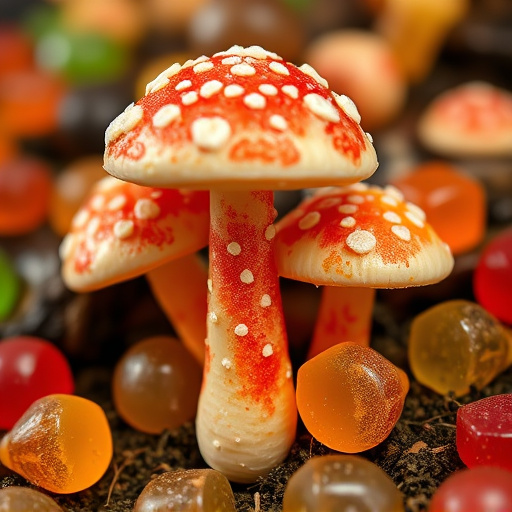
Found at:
<point>360,235</point>
<point>124,230</point>
<point>473,119</point>
<point>242,119</point>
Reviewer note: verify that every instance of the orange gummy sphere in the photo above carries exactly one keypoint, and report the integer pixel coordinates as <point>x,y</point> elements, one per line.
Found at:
<point>70,189</point>
<point>156,385</point>
<point>25,187</point>
<point>454,203</point>
<point>62,443</point>
<point>350,397</point>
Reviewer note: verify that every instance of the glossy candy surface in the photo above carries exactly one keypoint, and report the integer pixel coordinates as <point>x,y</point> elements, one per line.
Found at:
<point>25,185</point>
<point>62,443</point>
<point>156,385</point>
<point>350,397</point>
<point>455,345</point>
<point>484,432</point>
<point>483,489</point>
<point>23,499</point>
<point>10,286</point>
<point>194,490</point>
<point>30,368</point>
<point>341,482</point>
<point>453,202</point>
<point>493,277</point>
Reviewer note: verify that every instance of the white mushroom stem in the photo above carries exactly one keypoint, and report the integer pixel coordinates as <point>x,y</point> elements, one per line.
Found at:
<point>345,314</point>
<point>180,289</point>
<point>247,414</point>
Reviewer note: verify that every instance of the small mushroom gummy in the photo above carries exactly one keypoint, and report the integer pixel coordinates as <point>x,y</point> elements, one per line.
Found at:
<point>242,124</point>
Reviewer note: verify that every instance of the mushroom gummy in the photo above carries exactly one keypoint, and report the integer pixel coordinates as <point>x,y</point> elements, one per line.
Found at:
<point>242,123</point>
<point>156,385</point>
<point>23,499</point>
<point>457,344</point>
<point>484,432</point>
<point>341,482</point>
<point>193,490</point>
<point>350,397</point>
<point>62,443</point>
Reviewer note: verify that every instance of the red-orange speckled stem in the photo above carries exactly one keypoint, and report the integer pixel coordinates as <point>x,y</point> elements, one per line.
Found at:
<point>247,413</point>
<point>345,314</point>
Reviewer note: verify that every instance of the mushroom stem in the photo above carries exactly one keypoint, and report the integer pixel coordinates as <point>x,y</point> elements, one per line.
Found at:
<point>345,314</point>
<point>247,414</point>
<point>180,289</point>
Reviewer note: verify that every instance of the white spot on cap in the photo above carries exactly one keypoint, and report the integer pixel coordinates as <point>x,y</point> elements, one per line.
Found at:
<point>117,202</point>
<point>310,71</point>
<point>79,220</point>
<point>321,107</point>
<point>156,194</point>
<point>189,98</point>
<point>415,219</point>
<point>226,363</point>
<point>416,210</point>
<point>255,101</point>
<point>278,68</point>
<point>394,192</point>
<point>146,209</point>
<point>392,217</point>
<point>123,229</point>
<point>203,66</point>
<point>208,89</point>
<point>348,106</point>
<point>268,89</point>
<point>270,232</point>
<point>361,241</point>
<point>190,62</point>
<point>166,115</point>
<point>162,79</point>
<point>124,122</point>
<point>348,208</point>
<point>309,220</point>
<point>401,232</point>
<point>212,316</point>
<point>355,199</point>
<point>230,61</point>
<point>210,133</point>
<point>291,91</point>
<point>267,350</point>
<point>278,122</point>
<point>251,51</point>
<point>241,330</point>
<point>328,202</point>
<point>93,226</point>
<point>234,248</point>
<point>369,137</point>
<point>97,202</point>
<point>389,200</point>
<point>265,301</point>
<point>246,276</point>
<point>243,69</point>
<point>233,90</point>
<point>216,444</point>
<point>184,84</point>
<point>209,283</point>
<point>348,222</point>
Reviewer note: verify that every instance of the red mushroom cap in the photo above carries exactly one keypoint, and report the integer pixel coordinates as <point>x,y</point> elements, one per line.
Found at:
<point>360,235</point>
<point>243,119</point>
<point>474,119</point>
<point>124,230</point>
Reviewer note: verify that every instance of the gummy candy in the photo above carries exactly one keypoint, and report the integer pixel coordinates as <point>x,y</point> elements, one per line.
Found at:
<point>156,385</point>
<point>341,482</point>
<point>455,345</point>
<point>30,368</point>
<point>62,443</point>
<point>25,185</point>
<point>350,397</point>
<point>482,489</point>
<point>484,432</point>
<point>193,490</point>
<point>493,277</point>
<point>453,202</point>
<point>23,499</point>
<point>10,286</point>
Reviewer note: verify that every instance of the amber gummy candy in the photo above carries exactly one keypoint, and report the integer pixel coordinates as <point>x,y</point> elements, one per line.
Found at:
<point>350,397</point>
<point>23,499</point>
<point>455,345</point>
<point>193,490</point>
<point>62,443</point>
<point>341,482</point>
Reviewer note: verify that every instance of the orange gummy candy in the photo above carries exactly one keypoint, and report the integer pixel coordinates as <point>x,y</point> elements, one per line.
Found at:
<point>62,443</point>
<point>350,397</point>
